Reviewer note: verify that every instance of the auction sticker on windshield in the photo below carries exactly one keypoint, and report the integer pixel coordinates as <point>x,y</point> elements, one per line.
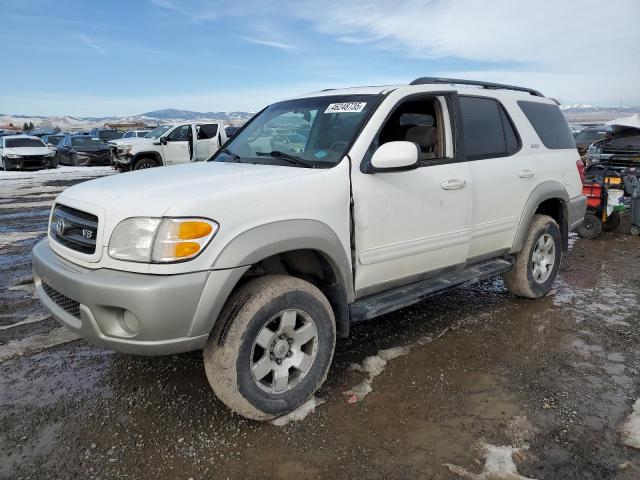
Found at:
<point>351,107</point>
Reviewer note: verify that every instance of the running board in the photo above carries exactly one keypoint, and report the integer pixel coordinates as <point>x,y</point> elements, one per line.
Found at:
<point>396,298</point>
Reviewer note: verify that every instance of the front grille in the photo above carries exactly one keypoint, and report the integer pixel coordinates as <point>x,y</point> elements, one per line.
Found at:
<point>74,229</point>
<point>70,306</point>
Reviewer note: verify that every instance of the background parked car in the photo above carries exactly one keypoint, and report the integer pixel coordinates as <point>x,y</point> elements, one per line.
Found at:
<point>82,150</point>
<point>135,133</point>
<point>24,152</point>
<point>53,140</point>
<point>106,134</point>
<point>231,131</point>
<point>587,136</point>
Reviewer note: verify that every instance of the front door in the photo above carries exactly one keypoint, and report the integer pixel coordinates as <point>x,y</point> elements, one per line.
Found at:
<point>409,223</point>
<point>178,148</point>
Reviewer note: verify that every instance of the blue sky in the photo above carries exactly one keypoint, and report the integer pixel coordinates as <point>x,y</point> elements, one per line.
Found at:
<point>97,58</point>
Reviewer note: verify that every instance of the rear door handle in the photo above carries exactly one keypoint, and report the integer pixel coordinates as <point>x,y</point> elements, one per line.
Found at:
<point>526,173</point>
<point>453,184</point>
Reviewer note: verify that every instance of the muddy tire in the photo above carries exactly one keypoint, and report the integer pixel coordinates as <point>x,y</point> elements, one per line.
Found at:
<point>591,227</point>
<point>537,264</point>
<point>612,223</point>
<point>6,165</point>
<point>271,347</point>
<point>145,163</point>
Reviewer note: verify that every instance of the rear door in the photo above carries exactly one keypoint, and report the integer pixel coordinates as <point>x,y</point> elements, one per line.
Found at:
<point>178,148</point>
<point>503,180</point>
<point>207,140</point>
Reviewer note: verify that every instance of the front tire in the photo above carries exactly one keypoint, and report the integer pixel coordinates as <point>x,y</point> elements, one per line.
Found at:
<point>537,264</point>
<point>272,346</point>
<point>6,166</point>
<point>145,163</point>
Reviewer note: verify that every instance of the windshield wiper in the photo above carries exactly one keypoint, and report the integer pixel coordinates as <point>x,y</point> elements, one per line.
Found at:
<point>235,156</point>
<point>292,159</point>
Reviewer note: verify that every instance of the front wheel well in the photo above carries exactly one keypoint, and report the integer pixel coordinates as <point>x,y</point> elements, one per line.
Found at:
<point>316,268</point>
<point>153,155</point>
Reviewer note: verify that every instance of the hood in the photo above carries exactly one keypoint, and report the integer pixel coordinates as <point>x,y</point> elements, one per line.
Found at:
<point>131,140</point>
<point>632,121</point>
<point>91,148</point>
<point>25,151</point>
<point>152,192</point>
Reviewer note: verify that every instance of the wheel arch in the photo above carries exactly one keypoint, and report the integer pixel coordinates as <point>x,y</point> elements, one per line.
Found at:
<point>147,154</point>
<point>308,249</point>
<point>547,198</point>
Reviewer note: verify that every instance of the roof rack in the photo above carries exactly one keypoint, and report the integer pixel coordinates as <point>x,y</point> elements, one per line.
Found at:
<point>487,85</point>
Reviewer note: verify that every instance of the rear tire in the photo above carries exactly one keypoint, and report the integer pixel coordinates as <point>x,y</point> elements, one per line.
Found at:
<point>537,264</point>
<point>591,227</point>
<point>271,347</point>
<point>145,163</point>
<point>612,223</point>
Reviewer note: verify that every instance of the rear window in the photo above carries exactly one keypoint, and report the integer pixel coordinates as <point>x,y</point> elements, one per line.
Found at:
<point>86,141</point>
<point>487,130</point>
<point>23,142</point>
<point>549,123</point>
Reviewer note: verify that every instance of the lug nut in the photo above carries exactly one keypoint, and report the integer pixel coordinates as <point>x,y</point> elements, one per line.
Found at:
<point>278,361</point>
<point>289,353</point>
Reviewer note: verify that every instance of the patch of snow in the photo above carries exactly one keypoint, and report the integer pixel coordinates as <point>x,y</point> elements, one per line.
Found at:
<point>14,179</point>
<point>25,205</point>
<point>630,430</point>
<point>30,319</point>
<point>299,413</point>
<point>373,366</point>
<point>36,343</point>
<point>498,464</point>
<point>11,238</point>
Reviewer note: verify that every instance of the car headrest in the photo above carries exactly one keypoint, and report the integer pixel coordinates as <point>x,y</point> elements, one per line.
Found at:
<point>424,136</point>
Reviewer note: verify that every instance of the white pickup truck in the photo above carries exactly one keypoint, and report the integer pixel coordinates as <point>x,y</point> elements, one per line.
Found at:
<point>168,145</point>
<point>262,257</point>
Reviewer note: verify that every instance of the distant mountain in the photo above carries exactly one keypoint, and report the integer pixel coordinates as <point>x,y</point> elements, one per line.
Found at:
<point>588,113</point>
<point>169,115</point>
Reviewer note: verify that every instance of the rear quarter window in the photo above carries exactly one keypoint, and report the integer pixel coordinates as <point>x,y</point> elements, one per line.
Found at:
<point>549,123</point>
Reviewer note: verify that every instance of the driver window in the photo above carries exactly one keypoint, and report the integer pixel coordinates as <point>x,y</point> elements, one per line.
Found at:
<point>180,134</point>
<point>420,122</point>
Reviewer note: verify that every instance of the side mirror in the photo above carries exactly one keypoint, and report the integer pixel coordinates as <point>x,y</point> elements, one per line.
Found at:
<point>163,140</point>
<point>395,155</point>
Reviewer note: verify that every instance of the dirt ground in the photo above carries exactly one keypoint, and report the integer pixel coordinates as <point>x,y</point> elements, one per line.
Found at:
<point>489,386</point>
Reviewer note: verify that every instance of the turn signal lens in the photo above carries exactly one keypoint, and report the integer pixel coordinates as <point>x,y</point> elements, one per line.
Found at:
<point>192,230</point>
<point>186,249</point>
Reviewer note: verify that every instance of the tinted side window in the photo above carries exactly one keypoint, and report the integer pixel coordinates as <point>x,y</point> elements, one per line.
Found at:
<point>486,128</point>
<point>549,123</point>
<point>207,131</point>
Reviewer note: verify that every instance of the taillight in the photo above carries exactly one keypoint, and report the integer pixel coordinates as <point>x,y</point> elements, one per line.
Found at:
<point>580,166</point>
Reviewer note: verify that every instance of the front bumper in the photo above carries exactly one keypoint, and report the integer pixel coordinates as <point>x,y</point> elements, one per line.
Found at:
<point>577,207</point>
<point>133,313</point>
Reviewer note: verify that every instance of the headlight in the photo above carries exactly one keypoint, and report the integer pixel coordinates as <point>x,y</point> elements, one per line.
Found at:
<point>13,155</point>
<point>124,149</point>
<point>160,240</point>
<point>50,155</point>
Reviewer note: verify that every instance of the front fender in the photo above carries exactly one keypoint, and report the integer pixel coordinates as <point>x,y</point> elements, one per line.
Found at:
<point>263,241</point>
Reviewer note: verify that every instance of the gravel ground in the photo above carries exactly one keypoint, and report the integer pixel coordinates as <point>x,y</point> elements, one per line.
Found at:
<point>485,386</point>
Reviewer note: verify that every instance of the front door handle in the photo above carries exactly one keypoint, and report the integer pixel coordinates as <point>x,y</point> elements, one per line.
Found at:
<point>453,184</point>
<point>526,173</point>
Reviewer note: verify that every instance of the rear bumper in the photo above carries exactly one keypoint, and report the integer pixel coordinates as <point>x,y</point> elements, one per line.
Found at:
<point>133,313</point>
<point>576,208</point>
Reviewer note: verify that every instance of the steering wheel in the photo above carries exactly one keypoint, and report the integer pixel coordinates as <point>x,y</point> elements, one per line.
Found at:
<point>334,146</point>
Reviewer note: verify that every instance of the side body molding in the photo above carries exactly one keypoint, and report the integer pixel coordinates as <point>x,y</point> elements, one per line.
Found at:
<point>544,191</point>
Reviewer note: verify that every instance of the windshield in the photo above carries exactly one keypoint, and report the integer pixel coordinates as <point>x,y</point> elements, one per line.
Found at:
<point>158,131</point>
<point>86,141</point>
<point>310,132</point>
<point>23,142</point>
<point>110,134</point>
<point>54,140</point>
<point>589,135</point>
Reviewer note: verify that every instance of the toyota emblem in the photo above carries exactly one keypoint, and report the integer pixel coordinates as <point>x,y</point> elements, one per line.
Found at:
<point>60,226</point>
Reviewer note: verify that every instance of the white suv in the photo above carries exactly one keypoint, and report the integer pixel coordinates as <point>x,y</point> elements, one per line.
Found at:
<point>261,256</point>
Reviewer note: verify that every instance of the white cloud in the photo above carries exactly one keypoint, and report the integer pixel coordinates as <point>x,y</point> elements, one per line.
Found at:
<point>271,43</point>
<point>549,41</point>
<point>92,44</point>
